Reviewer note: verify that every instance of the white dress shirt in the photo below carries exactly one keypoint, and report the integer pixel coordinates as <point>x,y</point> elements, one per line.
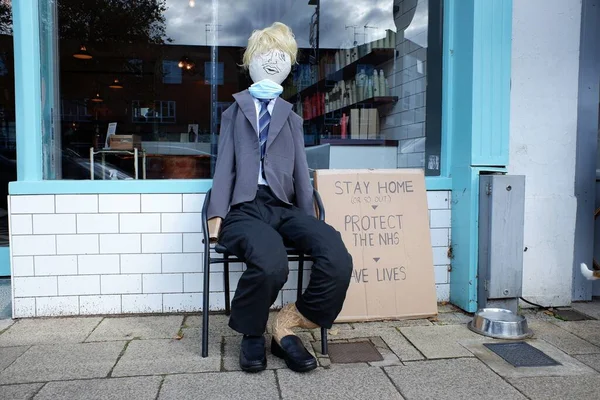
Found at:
<point>257,105</point>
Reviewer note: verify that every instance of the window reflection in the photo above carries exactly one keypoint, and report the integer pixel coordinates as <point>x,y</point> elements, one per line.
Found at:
<point>160,68</point>
<point>8,154</point>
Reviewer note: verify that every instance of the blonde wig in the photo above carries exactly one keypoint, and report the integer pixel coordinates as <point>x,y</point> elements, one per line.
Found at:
<point>277,36</point>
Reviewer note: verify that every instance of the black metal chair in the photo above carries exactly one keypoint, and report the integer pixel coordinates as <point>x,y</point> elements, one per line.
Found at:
<point>293,255</point>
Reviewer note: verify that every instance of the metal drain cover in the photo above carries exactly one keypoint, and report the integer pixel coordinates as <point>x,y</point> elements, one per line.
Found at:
<point>354,352</point>
<point>571,315</point>
<point>521,354</point>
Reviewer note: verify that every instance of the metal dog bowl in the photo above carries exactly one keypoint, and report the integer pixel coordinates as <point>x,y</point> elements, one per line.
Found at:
<point>500,324</point>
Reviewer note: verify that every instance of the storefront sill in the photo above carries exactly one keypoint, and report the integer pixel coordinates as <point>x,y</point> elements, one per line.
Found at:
<point>111,186</point>
<point>146,186</point>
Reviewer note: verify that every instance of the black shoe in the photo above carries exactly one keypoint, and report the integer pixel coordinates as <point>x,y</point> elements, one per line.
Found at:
<point>296,357</point>
<point>252,354</point>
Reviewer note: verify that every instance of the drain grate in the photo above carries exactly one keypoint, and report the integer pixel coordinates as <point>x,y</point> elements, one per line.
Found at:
<point>571,315</point>
<point>354,352</point>
<point>521,354</point>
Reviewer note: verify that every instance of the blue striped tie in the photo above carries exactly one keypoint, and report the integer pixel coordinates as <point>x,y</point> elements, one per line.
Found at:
<point>264,120</point>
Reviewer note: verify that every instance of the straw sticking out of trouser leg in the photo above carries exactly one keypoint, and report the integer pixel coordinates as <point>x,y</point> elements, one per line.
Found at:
<point>289,317</point>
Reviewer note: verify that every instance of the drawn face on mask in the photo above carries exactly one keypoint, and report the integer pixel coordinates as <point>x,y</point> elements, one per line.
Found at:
<point>274,65</point>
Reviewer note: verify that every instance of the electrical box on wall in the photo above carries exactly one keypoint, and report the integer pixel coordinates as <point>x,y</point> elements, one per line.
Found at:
<point>501,221</point>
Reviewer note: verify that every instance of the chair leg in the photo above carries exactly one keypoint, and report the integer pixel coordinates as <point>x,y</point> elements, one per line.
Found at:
<point>205,303</point>
<point>226,285</point>
<point>324,341</point>
<point>300,276</point>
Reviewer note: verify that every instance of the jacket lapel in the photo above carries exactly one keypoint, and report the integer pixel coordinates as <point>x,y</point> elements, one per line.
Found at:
<point>246,104</point>
<point>281,111</point>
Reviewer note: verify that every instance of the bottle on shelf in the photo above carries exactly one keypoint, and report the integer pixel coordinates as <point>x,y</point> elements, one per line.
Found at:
<point>369,88</point>
<point>382,88</point>
<point>376,86</point>
<point>361,82</point>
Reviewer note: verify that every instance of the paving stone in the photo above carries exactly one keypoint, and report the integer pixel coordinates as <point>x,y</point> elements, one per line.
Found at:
<point>588,330</point>
<point>450,379</point>
<point>571,387</point>
<point>5,324</point>
<point>138,388</point>
<point>373,326</point>
<point>48,331</point>
<point>127,328</point>
<point>324,362</point>
<point>561,338</point>
<point>19,392</point>
<point>451,318</point>
<point>389,358</point>
<point>337,382</point>
<point>533,314</point>
<point>10,354</point>
<point>589,308</point>
<point>441,341</point>
<point>567,364</point>
<point>591,360</point>
<point>223,385</point>
<point>62,362</point>
<point>392,337</point>
<point>217,326</point>
<point>167,356</point>
<point>447,308</point>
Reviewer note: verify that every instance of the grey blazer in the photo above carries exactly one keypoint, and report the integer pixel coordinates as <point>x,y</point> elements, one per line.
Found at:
<point>236,173</point>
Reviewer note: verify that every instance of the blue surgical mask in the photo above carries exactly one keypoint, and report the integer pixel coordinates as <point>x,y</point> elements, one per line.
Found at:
<point>265,89</point>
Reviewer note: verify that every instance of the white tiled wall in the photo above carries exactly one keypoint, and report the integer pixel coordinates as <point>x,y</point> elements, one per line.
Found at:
<point>113,254</point>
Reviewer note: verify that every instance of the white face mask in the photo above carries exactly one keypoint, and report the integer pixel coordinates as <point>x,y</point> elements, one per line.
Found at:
<point>274,65</point>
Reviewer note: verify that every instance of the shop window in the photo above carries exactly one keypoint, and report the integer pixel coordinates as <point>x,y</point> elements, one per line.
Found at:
<point>8,154</point>
<point>367,81</point>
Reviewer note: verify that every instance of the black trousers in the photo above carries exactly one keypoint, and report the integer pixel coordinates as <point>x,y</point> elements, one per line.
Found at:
<point>255,232</point>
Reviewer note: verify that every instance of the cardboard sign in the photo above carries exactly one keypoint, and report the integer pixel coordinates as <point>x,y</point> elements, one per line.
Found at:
<point>383,218</point>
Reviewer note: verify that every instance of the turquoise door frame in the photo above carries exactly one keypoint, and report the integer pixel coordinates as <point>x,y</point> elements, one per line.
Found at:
<point>478,61</point>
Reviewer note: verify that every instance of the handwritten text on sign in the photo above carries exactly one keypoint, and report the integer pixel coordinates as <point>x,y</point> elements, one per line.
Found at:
<point>373,230</point>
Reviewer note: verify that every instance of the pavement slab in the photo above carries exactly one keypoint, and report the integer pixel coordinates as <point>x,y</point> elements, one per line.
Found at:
<point>392,337</point>
<point>218,325</point>
<point>451,318</point>
<point>450,379</point>
<point>568,365</point>
<point>220,386</point>
<point>48,331</point>
<point>589,308</point>
<point>561,338</point>
<point>587,330</point>
<point>5,324</point>
<point>128,328</point>
<point>350,382</point>
<point>9,354</point>
<point>591,360</point>
<point>569,387</point>
<point>441,341</point>
<point>19,392</point>
<point>62,362</point>
<point>167,356</point>
<point>138,388</point>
